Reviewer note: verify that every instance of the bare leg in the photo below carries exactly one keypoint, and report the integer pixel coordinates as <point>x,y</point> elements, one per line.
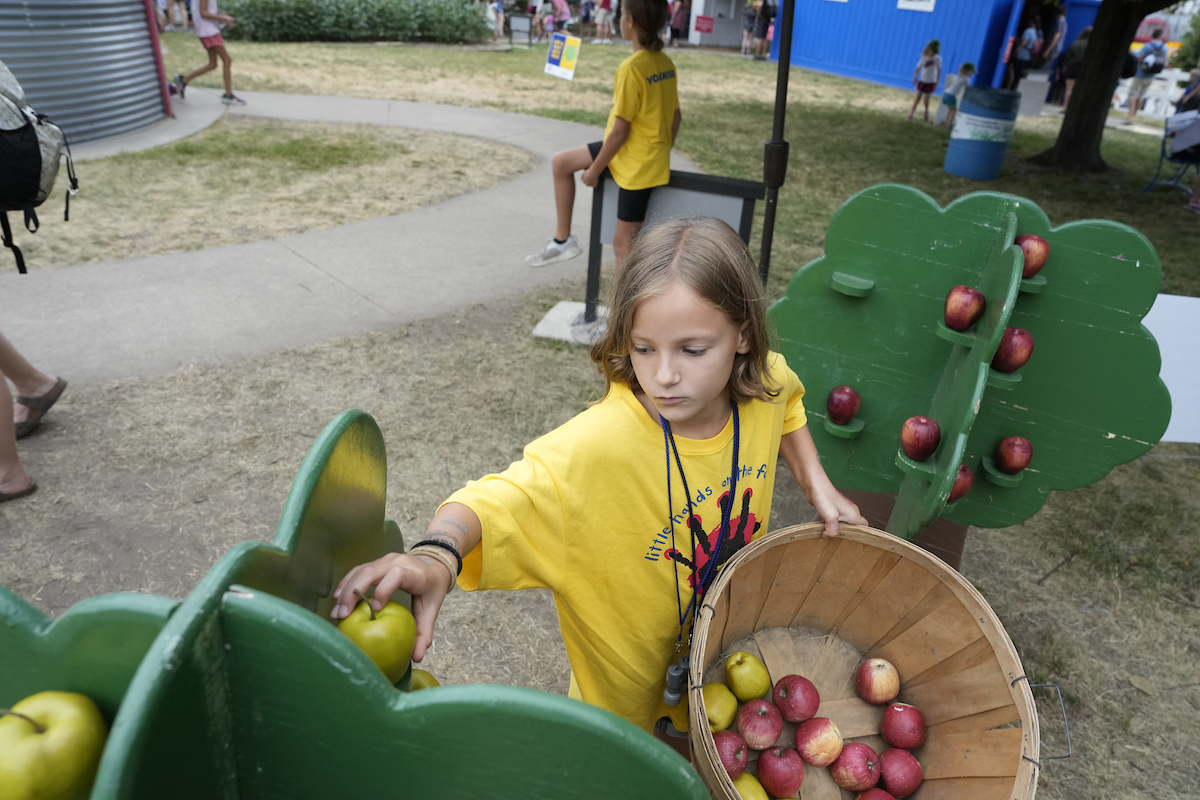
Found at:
<point>950,117</point>
<point>226,64</point>
<point>913,110</point>
<point>209,67</point>
<point>565,164</point>
<point>29,381</point>
<point>13,477</point>
<point>624,235</point>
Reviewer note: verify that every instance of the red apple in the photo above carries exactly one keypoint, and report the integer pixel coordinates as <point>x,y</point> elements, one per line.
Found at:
<point>1036,250</point>
<point>901,773</point>
<point>842,404</point>
<point>732,750</point>
<point>964,307</point>
<point>760,724</point>
<point>1013,454</point>
<point>919,437</point>
<point>903,726</point>
<point>877,681</point>
<point>780,771</point>
<point>1016,346</point>
<point>857,768</point>
<point>818,741</point>
<point>874,794</point>
<point>796,698</point>
<point>962,483</point>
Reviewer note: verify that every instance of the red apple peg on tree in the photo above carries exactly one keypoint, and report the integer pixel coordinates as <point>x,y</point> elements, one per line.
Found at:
<point>760,723</point>
<point>842,404</point>
<point>901,773</point>
<point>962,483</point>
<point>964,307</point>
<point>877,681</point>
<point>796,698</point>
<point>903,726</point>
<point>919,437</point>
<point>857,768</point>
<point>1036,250</point>
<point>733,752</point>
<point>780,771</point>
<point>1013,454</point>
<point>1016,346</point>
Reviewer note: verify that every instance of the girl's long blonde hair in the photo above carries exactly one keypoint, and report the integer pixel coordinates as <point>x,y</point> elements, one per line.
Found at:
<point>710,258</point>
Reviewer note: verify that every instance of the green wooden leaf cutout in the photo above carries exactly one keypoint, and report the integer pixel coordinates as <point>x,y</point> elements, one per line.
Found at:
<point>1089,399</point>
<point>94,648</point>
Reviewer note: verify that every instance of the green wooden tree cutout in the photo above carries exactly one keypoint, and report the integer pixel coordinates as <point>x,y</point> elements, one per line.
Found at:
<point>868,314</point>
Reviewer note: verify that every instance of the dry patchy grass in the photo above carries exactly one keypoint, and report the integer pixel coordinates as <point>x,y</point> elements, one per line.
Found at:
<point>246,180</point>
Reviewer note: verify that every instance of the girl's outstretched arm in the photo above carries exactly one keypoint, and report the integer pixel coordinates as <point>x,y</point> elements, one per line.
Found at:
<point>424,577</point>
<point>800,453</point>
<point>675,126</point>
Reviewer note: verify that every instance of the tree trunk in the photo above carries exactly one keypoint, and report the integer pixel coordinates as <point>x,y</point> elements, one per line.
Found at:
<point>1078,144</point>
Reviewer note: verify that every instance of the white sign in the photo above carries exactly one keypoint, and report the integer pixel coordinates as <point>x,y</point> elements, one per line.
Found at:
<point>981,129</point>
<point>915,5</point>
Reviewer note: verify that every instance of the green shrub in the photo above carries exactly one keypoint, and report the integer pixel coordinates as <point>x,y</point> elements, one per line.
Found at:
<point>357,20</point>
<point>1188,53</point>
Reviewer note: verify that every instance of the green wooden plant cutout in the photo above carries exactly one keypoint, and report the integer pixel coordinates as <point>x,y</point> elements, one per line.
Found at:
<point>868,314</point>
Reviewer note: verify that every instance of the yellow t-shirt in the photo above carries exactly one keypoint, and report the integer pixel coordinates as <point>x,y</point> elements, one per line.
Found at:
<point>646,96</point>
<point>584,514</point>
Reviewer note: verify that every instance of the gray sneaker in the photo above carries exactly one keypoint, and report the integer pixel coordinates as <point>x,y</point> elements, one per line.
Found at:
<point>180,83</point>
<point>552,252</point>
<point>232,100</point>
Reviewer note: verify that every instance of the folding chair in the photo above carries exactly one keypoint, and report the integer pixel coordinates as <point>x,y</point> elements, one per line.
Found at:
<point>1181,137</point>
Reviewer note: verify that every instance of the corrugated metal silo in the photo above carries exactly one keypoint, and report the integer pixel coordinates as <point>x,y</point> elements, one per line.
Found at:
<point>90,65</point>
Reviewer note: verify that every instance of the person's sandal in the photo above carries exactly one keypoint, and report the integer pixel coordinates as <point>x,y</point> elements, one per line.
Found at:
<point>38,406</point>
<point>6,496</point>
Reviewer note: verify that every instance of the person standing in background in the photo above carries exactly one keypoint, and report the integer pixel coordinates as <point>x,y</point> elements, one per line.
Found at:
<point>1023,59</point>
<point>1058,37</point>
<point>208,25</point>
<point>927,76</point>
<point>1152,58</point>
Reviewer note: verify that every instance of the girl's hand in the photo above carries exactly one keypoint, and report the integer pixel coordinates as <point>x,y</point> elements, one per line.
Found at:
<point>425,579</point>
<point>834,507</point>
<point>590,177</point>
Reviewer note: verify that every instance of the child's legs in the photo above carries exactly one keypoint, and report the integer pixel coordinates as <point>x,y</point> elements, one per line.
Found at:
<point>927,96</point>
<point>12,474</point>
<point>624,235</point>
<point>632,206</point>
<point>209,67</point>
<point>916,101</point>
<point>565,164</point>
<point>226,64</point>
<point>950,116</point>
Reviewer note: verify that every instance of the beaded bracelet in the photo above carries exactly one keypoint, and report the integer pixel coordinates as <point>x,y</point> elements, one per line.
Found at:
<point>448,547</point>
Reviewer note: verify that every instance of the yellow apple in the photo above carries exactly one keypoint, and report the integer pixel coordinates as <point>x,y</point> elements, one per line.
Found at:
<point>749,788</point>
<point>50,746</point>
<point>386,636</point>
<point>420,679</point>
<point>747,676</point>
<point>720,706</point>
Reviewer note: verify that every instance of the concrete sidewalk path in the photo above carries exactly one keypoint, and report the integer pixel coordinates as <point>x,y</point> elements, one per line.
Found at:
<point>149,316</point>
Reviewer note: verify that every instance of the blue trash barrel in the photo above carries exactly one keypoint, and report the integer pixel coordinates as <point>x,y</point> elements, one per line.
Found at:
<point>983,128</point>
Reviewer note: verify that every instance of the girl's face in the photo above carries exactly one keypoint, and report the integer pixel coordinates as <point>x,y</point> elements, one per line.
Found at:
<point>682,353</point>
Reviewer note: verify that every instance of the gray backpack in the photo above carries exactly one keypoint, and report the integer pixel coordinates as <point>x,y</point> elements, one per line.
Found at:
<point>31,147</point>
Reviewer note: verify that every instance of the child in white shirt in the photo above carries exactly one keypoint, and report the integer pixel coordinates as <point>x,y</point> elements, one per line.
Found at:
<point>954,91</point>
<point>927,76</point>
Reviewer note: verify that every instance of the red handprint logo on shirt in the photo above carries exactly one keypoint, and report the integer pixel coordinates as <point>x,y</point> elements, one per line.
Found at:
<point>741,531</point>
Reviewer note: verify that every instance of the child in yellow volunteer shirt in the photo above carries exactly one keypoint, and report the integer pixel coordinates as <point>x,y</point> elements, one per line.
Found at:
<point>627,511</point>
<point>636,151</point>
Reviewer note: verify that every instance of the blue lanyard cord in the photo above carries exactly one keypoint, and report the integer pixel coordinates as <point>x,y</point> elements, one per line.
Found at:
<point>701,585</point>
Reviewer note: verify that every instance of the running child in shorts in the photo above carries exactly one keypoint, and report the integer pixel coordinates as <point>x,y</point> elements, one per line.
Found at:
<point>207,23</point>
<point>927,76</point>
<point>636,150</point>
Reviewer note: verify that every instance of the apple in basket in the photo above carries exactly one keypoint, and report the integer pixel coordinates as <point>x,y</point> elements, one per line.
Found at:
<point>780,771</point>
<point>748,787</point>
<point>877,681</point>
<point>964,307</point>
<point>842,404</point>
<point>963,482</point>
<point>732,750</point>
<point>1036,250</point>
<point>874,794</point>
<point>919,437</point>
<point>760,723</point>
<point>746,675</point>
<point>857,768</point>
<point>903,726</point>
<point>796,698</point>
<point>818,741</point>
<point>901,773</point>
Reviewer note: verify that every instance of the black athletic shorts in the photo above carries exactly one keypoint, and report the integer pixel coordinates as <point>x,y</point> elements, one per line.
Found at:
<point>631,204</point>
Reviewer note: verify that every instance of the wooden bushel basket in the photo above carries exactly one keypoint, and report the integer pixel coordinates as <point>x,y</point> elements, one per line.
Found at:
<point>817,606</point>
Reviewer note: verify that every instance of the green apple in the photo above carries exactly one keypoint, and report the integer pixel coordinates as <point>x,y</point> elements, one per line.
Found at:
<point>387,636</point>
<point>747,676</point>
<point>421,680</point>
<point>50,746</point>
<point>748,788</point>
<point>720,706</point>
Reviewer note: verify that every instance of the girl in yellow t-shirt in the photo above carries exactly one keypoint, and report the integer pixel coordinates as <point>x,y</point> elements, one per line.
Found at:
<point>627,512</point>
<point>636,150</point>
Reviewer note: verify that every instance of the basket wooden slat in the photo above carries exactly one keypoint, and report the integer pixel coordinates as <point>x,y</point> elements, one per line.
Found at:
<point>816,606</point>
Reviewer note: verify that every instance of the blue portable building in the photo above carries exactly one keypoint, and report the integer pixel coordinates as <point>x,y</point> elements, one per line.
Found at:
<point>880,40</point>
